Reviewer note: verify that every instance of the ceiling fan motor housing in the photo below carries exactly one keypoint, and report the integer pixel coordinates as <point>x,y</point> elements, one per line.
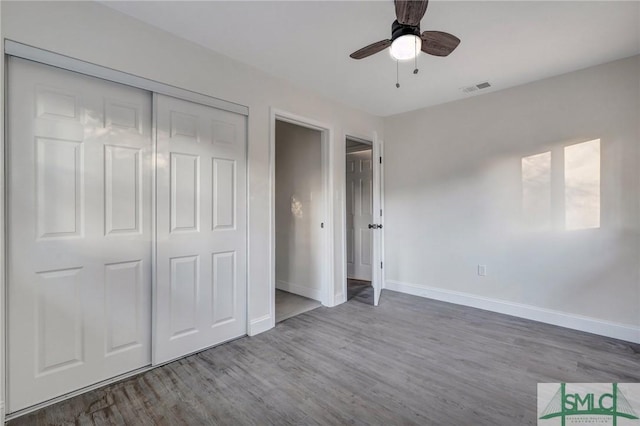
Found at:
<point>398,30</point>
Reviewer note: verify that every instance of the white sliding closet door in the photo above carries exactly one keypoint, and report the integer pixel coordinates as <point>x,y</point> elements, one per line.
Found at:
<point>79,231</point>
<point>201,228</point>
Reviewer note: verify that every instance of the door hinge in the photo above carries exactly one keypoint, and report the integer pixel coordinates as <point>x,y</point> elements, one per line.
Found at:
<point>380,212</point>
<point>321,224</point>
<point>380,160</point>
<point>380,265</point>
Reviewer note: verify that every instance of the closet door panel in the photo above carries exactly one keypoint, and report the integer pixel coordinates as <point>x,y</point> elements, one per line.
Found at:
<point>79,231</point>
<point>201,227</point>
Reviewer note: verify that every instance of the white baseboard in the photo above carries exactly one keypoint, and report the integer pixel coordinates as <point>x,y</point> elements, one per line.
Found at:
<point>260,325</point>
<point>311,293</point>
<point>625,332</point>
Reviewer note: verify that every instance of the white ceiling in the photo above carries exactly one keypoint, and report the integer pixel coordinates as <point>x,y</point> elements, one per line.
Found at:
<point>308,43</point>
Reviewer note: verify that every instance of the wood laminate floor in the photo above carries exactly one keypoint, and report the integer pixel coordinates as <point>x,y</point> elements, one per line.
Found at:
<point>408,361</point>
<point>360,290</point>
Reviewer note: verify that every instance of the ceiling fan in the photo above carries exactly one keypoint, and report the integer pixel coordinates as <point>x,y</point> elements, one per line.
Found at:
<point>406,40</point>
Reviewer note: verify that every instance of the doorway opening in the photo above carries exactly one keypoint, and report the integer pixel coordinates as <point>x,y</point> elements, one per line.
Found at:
<point>299,210</point>
<point>359,217</point>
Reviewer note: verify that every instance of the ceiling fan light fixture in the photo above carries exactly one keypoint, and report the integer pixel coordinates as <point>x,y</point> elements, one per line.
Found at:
<point>406,47</point>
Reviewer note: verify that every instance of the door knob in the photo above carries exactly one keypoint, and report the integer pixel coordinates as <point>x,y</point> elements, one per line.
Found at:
<point>375,226</point>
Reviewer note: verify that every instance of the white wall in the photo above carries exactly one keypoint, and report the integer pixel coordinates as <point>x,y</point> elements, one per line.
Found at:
<point>299,208</point>
<point>454,200</point>
<point>97,34</point>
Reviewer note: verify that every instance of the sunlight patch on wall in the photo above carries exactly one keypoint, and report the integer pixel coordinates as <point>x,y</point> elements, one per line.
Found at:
<point>536,191</point>
<point>582,185</point>
<point>296,207</point>
<point>562,195</point>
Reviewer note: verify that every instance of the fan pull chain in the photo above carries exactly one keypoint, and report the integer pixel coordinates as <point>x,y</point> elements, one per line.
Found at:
<point>397,75</point>
<point>415,49</point>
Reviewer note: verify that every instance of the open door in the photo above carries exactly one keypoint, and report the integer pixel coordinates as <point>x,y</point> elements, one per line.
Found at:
<point>363,224</point>
<point>377,273</point>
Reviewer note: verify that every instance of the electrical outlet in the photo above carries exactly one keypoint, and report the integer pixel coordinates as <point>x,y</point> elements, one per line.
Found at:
<point>482,270</point>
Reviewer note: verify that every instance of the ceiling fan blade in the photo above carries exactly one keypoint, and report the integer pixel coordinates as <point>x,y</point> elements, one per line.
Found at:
<point>371,49</point>
<point>438,43</point>
<point>410,12</point>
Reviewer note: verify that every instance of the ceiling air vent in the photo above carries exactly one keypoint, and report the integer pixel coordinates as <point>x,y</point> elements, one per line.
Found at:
<point>476,87</point>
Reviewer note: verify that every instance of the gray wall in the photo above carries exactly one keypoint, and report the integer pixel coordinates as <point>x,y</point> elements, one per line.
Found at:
<point>454,196</point>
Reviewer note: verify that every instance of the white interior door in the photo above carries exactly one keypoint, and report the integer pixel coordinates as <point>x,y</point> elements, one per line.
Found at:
<point>200,296</point>
<point>359,214</point>
<point>79,231</point>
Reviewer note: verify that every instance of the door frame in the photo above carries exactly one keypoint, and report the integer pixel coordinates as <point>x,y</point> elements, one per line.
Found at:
<point>12,48</point>
<point>377,256</point>
<point>3,205</point>
<point>328,239</point>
